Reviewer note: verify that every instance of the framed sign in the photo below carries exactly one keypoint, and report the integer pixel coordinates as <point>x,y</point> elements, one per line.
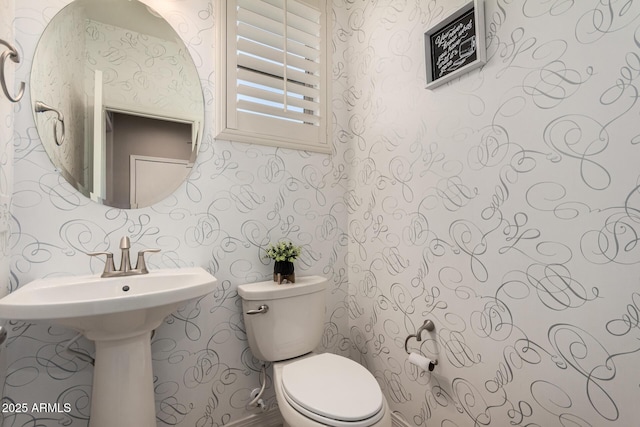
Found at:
<point>456,44</point>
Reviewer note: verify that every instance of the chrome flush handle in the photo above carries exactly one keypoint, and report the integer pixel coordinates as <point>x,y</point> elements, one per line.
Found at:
<point>261,310</point>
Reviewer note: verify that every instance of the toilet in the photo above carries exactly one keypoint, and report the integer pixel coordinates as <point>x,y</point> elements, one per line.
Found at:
<point>284,325</point>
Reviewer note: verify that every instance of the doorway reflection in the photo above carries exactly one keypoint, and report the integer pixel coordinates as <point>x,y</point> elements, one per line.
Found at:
<point>145,157</point>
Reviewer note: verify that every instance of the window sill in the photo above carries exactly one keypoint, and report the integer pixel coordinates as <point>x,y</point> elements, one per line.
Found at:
<point>253,138</point>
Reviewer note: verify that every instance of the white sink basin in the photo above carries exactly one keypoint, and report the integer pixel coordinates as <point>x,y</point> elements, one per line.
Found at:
<point>118,313</point>
<point>79,296</point>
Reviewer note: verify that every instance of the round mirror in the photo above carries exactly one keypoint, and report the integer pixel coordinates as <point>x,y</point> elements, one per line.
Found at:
<point>117,101</point>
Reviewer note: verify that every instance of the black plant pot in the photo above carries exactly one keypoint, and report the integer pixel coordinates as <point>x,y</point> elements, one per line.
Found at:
<point>283,271</point>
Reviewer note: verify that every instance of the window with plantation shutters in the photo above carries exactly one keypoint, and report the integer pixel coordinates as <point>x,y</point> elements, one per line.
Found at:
<point>273,73</point>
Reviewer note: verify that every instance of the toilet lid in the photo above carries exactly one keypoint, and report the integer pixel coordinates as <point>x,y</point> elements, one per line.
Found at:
<point>333,387</point>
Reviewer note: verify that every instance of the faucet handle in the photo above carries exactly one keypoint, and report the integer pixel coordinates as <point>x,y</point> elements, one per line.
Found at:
<point>109,266</point>
<point>141,265</point>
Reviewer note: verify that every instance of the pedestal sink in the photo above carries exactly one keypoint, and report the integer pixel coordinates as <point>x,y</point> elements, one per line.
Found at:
<point>118,313</point>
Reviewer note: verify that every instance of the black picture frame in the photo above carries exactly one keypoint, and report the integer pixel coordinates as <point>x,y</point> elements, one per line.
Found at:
<point>456,44</point>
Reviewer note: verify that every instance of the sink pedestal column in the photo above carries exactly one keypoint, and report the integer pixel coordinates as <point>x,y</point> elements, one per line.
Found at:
<point>122,392</point>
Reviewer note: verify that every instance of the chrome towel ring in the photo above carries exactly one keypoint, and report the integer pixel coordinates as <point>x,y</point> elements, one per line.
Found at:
<point>41,107</point>
<point>12,54</point>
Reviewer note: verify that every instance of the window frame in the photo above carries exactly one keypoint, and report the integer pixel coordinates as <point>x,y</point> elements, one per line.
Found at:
<point>233,127</point>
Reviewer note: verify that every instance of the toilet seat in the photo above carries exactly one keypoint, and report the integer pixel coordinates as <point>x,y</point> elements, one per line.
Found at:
<point>333,390</point>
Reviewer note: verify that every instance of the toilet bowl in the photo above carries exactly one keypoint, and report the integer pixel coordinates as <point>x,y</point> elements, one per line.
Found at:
<point>284,325</point>
<point>328,390</point>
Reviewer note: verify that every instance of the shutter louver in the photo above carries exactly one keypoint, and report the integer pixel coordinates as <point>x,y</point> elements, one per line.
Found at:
<point>276,71</point>
<point>275,42</point>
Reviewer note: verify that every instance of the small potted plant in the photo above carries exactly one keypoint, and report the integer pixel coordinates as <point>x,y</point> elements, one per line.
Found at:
<point>283,253</point>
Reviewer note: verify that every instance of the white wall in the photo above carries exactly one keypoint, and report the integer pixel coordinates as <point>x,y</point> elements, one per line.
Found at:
<point>504,206</point>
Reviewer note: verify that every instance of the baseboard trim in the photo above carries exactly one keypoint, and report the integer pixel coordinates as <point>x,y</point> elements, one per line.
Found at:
<point>270,418</point>
<point>396,421</point>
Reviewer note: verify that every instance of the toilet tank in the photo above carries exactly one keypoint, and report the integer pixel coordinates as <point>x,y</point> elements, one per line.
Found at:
<point>294,321</point>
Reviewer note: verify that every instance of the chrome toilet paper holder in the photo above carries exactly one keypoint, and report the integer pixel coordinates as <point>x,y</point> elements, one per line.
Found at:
<point>426,326</point>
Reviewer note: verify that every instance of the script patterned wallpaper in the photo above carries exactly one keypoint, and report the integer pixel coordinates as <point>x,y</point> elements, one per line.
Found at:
<point>504,206</point>
<point>6,171</point>
<point>238,199</point>
<point>6,147</point>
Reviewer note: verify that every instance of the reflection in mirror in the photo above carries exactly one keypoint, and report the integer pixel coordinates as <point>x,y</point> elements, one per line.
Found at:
<point>144,157</point>
<point>130,96</point>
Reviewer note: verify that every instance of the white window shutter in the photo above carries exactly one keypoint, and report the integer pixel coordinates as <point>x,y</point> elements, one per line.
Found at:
<point>273,73</point>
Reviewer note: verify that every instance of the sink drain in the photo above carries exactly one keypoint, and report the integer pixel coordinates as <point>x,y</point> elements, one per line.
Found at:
<point>125,288</point>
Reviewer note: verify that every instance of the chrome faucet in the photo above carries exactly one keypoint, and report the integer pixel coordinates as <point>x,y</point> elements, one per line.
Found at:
<point>125,261</point>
